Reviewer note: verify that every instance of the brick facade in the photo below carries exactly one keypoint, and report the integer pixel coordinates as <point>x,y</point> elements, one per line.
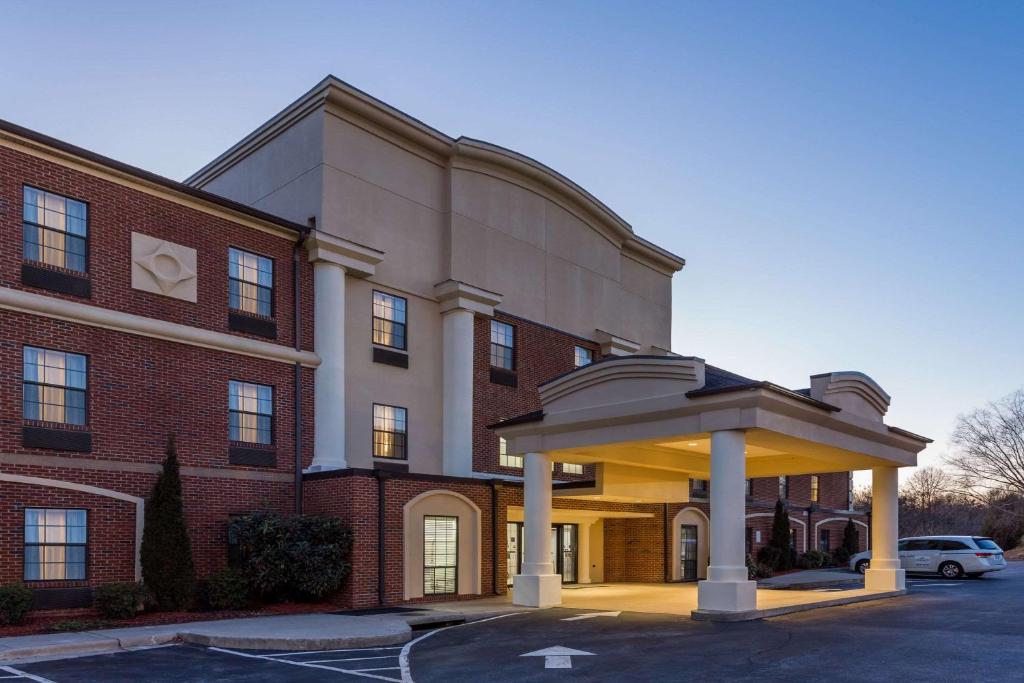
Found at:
<point>141,389</point>
<point>542,353</point>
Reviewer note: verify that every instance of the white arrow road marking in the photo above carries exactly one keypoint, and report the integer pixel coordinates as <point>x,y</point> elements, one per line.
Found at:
<point>557,657</point>
<point>591,615</point>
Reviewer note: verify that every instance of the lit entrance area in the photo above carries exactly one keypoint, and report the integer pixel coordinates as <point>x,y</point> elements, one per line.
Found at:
<point>649,424</point>
<point>564,550</point>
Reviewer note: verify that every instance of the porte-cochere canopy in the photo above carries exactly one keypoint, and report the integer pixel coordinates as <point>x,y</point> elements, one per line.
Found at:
<point>650,423</point>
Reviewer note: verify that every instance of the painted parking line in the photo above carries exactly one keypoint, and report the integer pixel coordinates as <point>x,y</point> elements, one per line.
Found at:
<point>22,675</point>
<point>362,672</point>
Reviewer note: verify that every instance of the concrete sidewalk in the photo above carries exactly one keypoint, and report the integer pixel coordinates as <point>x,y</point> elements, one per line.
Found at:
<point>283,632</point>
<point>813,578</point>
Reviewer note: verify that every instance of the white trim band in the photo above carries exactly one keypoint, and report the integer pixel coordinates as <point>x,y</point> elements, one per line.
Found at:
<point>73,311</point>
<point>140,504</point>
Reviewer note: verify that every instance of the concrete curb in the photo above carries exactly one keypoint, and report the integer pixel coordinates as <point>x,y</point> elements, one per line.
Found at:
<point>711,615</point>
<point>820,583</point>
<point>300,632</point>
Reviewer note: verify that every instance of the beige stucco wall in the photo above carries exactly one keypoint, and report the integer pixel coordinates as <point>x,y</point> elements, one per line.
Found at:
<point>415,388</point>
<point>437,215</point>
<point>283,176</point>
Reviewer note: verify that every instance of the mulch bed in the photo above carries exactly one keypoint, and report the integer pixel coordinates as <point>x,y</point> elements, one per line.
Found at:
<point>46,623</point>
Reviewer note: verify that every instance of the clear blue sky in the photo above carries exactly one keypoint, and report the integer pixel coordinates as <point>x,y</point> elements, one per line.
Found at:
<point>845,180</point>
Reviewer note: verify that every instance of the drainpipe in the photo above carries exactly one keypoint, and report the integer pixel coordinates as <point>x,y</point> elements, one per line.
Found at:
<point>808,534</point>
<point>380,537</point>
<point>668,543</point>
<point>494,536</point>
<point>297,338</point>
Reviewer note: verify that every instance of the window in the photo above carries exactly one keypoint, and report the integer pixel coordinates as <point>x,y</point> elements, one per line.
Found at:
<point>750,487</point>
<point>784,488</point>
<point>53,388</point>
<point>55,544</point>
<point>250,283</point>
<point>815,488</point>
<point>388,320</point>
<point>506,460</point>
<point>952,545</point>
<point>700,487</point>
<point>583,356</point>
<point>571,468</point>
<point>849,492</point>
<point>54,230</point>
<point>792,538</point>
<point>503,343</point>
<point>440,554</point>
<point>389,427</point>
<point>824,540</point>
<point>250,412</point>
<point>748,540</point>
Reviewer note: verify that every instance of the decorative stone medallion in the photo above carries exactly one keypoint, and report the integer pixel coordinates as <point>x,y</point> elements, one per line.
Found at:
<point>163,267</point>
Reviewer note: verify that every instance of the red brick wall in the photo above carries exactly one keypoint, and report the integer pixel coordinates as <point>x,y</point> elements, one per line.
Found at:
<point>542,353</point>
<point>115,211</point>
<point>141,389</point>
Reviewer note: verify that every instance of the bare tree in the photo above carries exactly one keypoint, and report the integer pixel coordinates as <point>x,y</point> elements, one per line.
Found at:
<point>926,487</point>
<point>988,458</point>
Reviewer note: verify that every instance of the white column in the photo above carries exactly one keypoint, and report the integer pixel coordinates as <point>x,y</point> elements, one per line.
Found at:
<point>885,573</point>
<point>583,553</point>
<point>329,379</point>
<point>457,391</point>
<point>727,588</point>
<point>537,585</point>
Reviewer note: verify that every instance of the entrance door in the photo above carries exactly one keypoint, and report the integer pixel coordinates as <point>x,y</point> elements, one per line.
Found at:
<point>688,552</point>
<point>564,550</point>
<point>514,549</point>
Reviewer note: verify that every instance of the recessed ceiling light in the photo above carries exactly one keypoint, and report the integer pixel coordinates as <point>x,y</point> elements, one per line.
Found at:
<point>692,443</point>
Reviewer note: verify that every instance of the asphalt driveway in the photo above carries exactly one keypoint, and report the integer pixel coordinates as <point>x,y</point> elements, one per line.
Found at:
<point>943,630</point>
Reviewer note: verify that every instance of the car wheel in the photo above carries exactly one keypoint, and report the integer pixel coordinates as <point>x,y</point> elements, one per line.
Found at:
<point>862,566</point>
<point>951,570</point>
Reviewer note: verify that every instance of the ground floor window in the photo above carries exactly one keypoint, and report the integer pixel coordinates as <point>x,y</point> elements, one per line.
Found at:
<point>824,538</point>
<point>55,544</point>
<point>748,540</point>
<point>440,554</point>
<point>571,468</point>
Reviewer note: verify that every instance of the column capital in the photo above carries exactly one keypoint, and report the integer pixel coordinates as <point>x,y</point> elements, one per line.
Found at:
<point>454,295</point>
<point>357,259</point>
<point>612,345</point>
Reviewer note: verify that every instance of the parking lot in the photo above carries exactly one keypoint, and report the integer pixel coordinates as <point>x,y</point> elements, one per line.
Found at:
<point>943,630</point>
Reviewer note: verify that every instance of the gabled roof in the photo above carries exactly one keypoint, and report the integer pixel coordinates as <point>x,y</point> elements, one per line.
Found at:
<point>67,148</point>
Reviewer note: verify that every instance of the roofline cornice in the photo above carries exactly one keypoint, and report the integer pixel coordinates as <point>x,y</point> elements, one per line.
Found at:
<point>362,109</point>
<point>37,144</point>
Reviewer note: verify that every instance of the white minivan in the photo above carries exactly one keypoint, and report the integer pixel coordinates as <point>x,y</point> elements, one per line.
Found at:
<point>950,556</point>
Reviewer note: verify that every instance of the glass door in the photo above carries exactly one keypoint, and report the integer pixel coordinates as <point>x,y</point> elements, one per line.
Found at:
<point>513,549</point>
<point>564,550</point>
<point>688,552</point>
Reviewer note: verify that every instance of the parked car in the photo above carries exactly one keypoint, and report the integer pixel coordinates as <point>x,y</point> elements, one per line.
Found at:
<point>950,556</point>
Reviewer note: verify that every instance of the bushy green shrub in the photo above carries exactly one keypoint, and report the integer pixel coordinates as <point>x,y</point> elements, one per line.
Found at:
<point>120,600</point>
<point>15,601</point>
<point>769,555</point>
<point>840,556</point>
<point>814,559</point>
<point>166,552</point>
<point>851,540</point>
<point>757,570</point>
<point>298,556</point>
<point>228,589</point>
<point>71,625</point>
<point>782,540</point>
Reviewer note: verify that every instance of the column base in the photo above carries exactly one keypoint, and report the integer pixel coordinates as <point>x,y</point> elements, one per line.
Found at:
<point>885,579</point>
<point>537,590</point>
<point>727,596</point>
